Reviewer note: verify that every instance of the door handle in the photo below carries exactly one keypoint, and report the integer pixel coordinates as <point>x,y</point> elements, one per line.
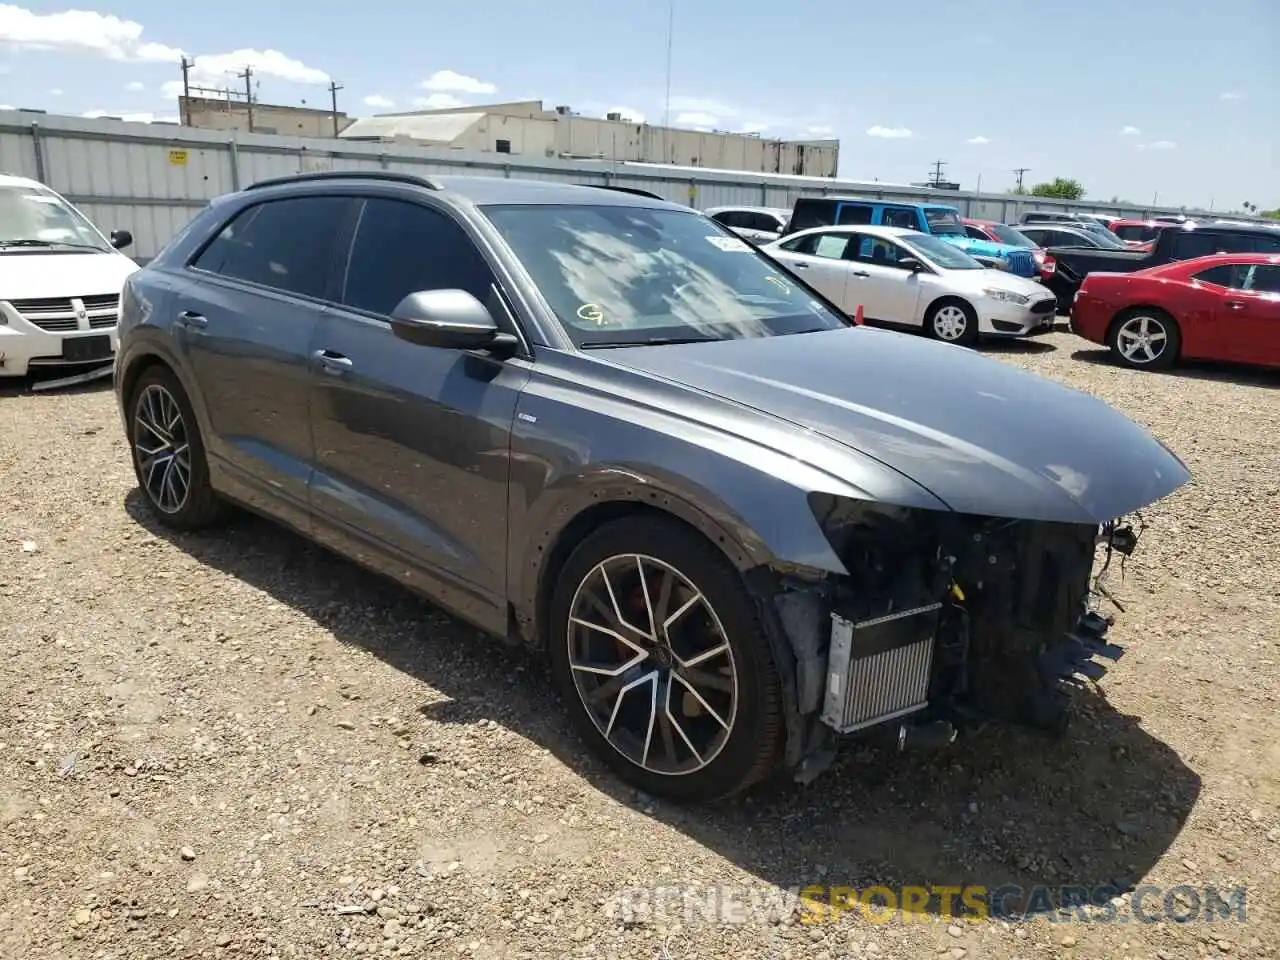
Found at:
<point>189,318</point>
<point>1235,304</point>
<point>861,273</point>
<point>801,266</point>
<point>330,362</point>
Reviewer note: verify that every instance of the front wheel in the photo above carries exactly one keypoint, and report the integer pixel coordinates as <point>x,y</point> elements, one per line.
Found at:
<point>1145,339</point>
<point>657,649</point>
<point>953,321</point>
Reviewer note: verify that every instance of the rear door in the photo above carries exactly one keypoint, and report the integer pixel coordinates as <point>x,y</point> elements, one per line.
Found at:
<point>819,259</point>
<point>246,314</point>
<point>412,442</point>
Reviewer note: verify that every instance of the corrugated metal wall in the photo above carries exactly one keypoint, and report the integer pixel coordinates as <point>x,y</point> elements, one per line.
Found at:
<point>150,179</point>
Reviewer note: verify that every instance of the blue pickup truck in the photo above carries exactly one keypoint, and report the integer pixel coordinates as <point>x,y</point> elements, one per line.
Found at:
<point>935,218</point>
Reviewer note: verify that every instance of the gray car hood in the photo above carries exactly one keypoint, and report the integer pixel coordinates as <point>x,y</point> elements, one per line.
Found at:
<point>981,435</point>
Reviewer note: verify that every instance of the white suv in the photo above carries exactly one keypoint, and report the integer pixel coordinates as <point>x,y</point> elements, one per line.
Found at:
<point>60,281</point>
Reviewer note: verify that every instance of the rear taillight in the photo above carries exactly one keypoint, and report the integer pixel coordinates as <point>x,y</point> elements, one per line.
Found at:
<point>1048,266</point>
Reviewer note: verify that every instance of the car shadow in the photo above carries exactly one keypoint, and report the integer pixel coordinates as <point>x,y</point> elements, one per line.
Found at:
<point>30,384</point>
<point>1009,346</point>
<point>1096,809</point>
<point>1192,369</point>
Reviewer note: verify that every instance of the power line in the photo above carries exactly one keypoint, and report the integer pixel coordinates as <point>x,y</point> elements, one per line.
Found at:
<point>1018,172</point>
<point>937,172</point>
<point>334,87</point>
<point>247,77</point>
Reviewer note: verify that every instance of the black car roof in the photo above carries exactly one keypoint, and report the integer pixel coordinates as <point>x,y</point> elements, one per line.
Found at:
<point>483,190</point>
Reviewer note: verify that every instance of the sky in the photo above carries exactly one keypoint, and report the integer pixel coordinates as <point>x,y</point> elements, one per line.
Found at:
<point>1167,101</point>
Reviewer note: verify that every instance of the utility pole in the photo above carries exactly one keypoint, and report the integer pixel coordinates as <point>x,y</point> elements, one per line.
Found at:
<point>334,87</point>
<point>937,171</point>
<point>247,77</point>
<point>666,107</point>
<point>1018,173</point>
<point>186,90</point>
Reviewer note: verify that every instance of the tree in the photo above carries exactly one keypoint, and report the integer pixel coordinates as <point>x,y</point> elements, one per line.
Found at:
<point>1061,188</point>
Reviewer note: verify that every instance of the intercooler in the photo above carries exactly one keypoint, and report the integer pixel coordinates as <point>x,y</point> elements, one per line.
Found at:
<point>879,669</point>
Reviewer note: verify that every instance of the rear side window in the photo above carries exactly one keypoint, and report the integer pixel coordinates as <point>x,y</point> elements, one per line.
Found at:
<point>400,248</point>
<point>854,214</point>
<point>1199,244</point>
<point>1265,279</point>
<point>812,213</point>
<point>1226,275</point>
<point>283,244</point>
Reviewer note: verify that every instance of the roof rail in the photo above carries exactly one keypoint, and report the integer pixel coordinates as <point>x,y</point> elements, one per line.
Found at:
<point>632,190</point>
<point>393,176</point>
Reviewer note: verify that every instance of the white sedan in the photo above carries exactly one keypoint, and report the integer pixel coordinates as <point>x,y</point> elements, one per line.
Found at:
<point>906,278</point>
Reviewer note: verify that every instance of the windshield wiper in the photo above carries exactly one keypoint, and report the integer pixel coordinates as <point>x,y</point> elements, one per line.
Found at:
<point>47,243</point>
<point>651,342</point>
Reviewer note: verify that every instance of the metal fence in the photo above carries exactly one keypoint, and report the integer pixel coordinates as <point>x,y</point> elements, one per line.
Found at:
<point>151,178</point>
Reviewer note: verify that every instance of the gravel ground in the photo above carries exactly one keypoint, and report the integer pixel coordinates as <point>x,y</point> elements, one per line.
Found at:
<point>237,745</point>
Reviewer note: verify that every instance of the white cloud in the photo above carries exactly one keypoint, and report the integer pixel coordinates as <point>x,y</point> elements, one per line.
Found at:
<point>171,89</point>
<point>697,118</point>
<point>438,101</point>
<point>79,31</point>
<point>131,117</point>
<point>447,81</point>
<point>1162,145</point>
<point>1130,131</point>
<point>977,141</point>
<point>820,130</point>
<point>379,102</point>
<point>5,106</point>
<point>218,67</point>
<point>889,133</point>
<point>1233,95</point>
<point>135,86</point>
<point>635,116</point>
<point>55,92</point>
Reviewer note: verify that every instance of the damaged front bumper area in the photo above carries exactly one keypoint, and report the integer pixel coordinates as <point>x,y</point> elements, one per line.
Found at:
<point>946,621</point>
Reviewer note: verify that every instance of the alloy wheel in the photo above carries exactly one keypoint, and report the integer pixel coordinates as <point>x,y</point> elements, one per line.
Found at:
<point>652,664</point>
<point>162,449</point>
<point>950,323</point>
<point>1142,339</point>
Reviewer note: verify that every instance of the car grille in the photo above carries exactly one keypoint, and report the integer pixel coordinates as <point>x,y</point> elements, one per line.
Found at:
<point>879,669</point>
<point>1022,263</point>
<point>60,314</point>
<point>1047,305</point>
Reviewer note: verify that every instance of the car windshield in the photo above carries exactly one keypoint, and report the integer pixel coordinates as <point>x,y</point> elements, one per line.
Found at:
<point>1008,235</point>
<point>622,275</point>
<point>1105,237</point>
<point>34,217</point>
<point>941,253</point>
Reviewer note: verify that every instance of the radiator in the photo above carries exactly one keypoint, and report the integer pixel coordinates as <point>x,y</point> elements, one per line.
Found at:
<point>879,668</point>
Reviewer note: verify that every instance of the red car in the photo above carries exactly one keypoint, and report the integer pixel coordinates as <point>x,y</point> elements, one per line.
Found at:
<point>1003,233</point>
<point>1221,307</point>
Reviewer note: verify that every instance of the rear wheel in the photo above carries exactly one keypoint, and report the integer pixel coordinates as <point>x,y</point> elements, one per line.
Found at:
<point>953,321</point>
<point>658,652</point>
<point>1145,338</point>
<point>168,453</point>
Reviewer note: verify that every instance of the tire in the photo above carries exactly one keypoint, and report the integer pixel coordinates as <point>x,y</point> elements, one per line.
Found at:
<point>1164,339</point>
<point>692,757</point>
<point>158,395</point>
<point>943,322</point>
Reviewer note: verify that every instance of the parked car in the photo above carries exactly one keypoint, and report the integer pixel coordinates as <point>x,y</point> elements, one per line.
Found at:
<point>932,218</point>
<point>1003,233</point>
<point>1221,307</point>
<point>754,224</point>
<point>1176,242</point>
<point>1105,237</point>
<point>1107,220</point>
<point>60,281</point>
<point>1047,216</point>
<point>912,279</point>
<point>604,426</point>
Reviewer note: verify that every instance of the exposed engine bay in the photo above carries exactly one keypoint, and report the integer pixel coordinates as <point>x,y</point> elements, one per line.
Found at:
<point>945,622</point>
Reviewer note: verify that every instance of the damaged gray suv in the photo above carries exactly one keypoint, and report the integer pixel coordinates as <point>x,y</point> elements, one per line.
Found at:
<point>600,424</point>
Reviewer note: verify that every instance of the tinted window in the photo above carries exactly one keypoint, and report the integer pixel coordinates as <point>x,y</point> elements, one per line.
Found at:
<point>812,213</point>
<point>401,247</point>
<point>1226,275</point>
<point>1014,238</point>
<point>1265,279</point>
<point>1187,246</point>
<point>881,252</point>
<point>1266,245</point>
<point>730,218</point>
<point>854,213</point>
<point>898,217</point>
<point>284,244</point>
<point>763,221</point>
<point>977,233</point>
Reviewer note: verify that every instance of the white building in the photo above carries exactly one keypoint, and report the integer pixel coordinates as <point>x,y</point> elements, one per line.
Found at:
<point>524,128</point>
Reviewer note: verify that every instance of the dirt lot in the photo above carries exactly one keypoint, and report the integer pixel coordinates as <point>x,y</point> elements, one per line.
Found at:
<point>239,746</point>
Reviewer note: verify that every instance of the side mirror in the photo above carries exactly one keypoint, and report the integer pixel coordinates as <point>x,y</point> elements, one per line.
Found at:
<point>121,239</point>
<point>910,263</point>
<point>448,319</point>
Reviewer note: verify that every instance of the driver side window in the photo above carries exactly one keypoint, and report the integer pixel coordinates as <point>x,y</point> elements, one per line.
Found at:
<point>880,252</point>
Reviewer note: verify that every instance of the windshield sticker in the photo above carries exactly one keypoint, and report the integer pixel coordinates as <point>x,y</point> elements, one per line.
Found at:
<point>592,314</point>
<point>778,283</point>
<point>729,244</point>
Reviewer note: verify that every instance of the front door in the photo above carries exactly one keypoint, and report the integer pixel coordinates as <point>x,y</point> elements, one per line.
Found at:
<point>888,292</point>
<point>1249,315</point>
<point>245,317</point>
<point>413,442</point>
